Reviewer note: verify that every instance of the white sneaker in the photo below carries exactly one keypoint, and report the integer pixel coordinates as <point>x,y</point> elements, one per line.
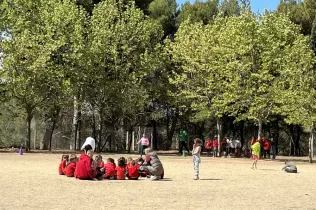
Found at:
<point>153,178</point>
<point>196,178</point>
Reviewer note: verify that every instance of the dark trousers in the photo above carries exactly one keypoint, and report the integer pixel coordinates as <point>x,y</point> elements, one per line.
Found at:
<point>273,152</point>
<point>142,149</point>
<point>183,144</point>
<point>266,153</point>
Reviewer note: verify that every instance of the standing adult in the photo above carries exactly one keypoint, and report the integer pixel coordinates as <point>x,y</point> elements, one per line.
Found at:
<point>144,143</point>
<point>273,148</point>
<point>183,141</point>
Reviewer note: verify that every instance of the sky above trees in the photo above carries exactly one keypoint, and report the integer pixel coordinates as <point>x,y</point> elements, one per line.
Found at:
<point>257,5</point>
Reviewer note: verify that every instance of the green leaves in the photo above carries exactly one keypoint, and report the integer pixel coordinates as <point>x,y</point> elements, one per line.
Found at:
<point>240,66</point>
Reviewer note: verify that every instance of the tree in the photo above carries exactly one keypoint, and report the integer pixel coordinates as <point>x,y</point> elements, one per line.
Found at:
<point>118,65</point>
<point>164,11</point>
<point>46,40</point>
<point>198,11</point>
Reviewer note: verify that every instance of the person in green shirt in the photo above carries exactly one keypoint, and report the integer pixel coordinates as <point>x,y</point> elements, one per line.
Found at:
<point>183,141</point>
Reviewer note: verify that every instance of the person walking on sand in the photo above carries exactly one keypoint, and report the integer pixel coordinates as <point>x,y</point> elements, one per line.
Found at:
<point>144,143</point>
<point>183,141</point>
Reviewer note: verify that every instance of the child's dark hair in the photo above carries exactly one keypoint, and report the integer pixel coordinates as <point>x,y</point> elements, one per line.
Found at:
<point>121,161</point>
<point>133,163</point>
<point>73,157</point>
<point>140,160</point>
<point>198,141</point>
<point>110,160</point>
<point>98,157</point>
<point>87,148</point>
<point>65,157</point>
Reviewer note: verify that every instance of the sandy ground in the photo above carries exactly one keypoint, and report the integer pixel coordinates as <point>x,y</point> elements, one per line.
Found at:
<point>31,181</point>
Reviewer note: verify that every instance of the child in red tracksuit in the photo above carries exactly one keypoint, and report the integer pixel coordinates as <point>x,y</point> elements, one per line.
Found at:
<point>109,168</point>
<point>208,146</point>
<point>140,162</point>
<point>215,147</point>
<point>71,167</point>
<point>84,169</point>
<point>62,165</point>
<point>132,171</point>
<point>121,169</point>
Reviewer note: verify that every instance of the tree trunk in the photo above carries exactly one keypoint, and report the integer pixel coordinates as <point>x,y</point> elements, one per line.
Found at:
<point>277,137</point>
<point>75,123</point>
<point>292,137</point>
<point>79,125</point>
<point>311,144</point>
<point>242,139</point>
<point>171,130</point>
<point>94,129</point>
<point>51,135</point>
<point>45,141</point>
<point>219,134</point>
<point>297,140</point>
<point>35,133</point>
<point>154,135</point>
<point>259,130</point>
<point>28,137</point>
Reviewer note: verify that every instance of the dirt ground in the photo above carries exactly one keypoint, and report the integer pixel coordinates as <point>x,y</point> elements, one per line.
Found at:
<point>31,181</point>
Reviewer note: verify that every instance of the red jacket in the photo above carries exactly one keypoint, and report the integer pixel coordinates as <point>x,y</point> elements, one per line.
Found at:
<point>215,143</point>
<point>84,169</point>
<point>120,173</point>
<point>208,144</point>
<point>223,144</point>
<point>61,167</point>
<point>133,172</point>
<point>101,164</point>
<point>266,145</point>
<point>70,169</point>
<point>109,169</point>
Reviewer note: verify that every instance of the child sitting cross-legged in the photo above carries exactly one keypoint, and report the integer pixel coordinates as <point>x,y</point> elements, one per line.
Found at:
<point>71,167</point>
<point>109,168</point>
<point>132,171</point>
<point>62,165</point>
<point>129,160</point>
<point>121,169</point>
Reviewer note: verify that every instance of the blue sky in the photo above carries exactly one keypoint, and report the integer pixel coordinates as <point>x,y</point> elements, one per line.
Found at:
<point>256,5</point>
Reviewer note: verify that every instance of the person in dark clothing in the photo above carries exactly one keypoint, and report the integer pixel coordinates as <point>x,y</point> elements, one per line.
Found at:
<point>290,167</point>
<point>273,148</point>
<point>183,141</point>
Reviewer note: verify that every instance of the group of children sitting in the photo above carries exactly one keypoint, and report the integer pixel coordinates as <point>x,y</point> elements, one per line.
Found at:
<point>85,168</point>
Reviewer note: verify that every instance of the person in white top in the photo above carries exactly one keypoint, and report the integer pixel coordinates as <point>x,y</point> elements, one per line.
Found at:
<point>144,143</point>
<point>196,153</point>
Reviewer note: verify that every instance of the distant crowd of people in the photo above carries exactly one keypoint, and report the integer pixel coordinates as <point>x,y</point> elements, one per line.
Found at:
<point>230,147</point>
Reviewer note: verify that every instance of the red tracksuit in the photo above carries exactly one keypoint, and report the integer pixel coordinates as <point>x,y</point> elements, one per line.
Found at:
<point>101,164</point>
<point>62,167</point>
<point>70,169</point>
<point>84,169</point>
<point>208,144</point>
<point>132,172</point>
<point>120,172</point>
<point>109,169</point>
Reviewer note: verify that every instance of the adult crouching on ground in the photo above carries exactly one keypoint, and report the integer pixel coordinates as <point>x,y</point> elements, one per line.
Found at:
<point>154,166</point>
